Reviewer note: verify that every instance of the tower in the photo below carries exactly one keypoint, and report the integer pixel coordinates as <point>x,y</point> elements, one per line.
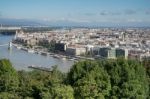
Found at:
<point>10,45</point>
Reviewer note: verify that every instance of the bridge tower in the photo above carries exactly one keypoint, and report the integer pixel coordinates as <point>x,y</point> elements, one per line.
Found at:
<point>10,45</point>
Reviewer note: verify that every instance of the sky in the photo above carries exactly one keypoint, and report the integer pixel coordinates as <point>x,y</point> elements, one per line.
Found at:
<point>79,11</point>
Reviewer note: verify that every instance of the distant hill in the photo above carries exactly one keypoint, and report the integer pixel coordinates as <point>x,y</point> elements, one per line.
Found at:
<point>18,22</point>
<point>34,22</point>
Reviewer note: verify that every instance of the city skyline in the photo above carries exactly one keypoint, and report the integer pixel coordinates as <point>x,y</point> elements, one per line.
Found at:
<point>89,12</point>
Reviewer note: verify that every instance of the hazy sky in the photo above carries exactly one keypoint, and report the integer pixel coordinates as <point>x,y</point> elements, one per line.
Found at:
<point>120,11</point>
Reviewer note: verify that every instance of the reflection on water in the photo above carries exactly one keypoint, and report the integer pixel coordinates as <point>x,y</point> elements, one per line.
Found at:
<point>21,59</point>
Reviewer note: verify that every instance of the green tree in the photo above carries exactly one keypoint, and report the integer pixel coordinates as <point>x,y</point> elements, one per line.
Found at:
<point>89,80</point>
<point>61,91</point>
<point>8,77</point>
<point>128,79</point>
<point>56,87</point>
<point>146,64</point>
<point>101,79</point>
<point>44,85</point>
<point>6,95</point>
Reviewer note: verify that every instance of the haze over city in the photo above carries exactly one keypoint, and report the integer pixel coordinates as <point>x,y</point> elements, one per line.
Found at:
<point>76,12</point>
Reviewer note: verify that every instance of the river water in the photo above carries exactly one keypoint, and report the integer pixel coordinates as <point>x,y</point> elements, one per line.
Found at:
<point>22,59</point>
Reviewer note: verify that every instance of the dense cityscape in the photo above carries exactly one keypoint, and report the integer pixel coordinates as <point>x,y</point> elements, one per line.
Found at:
<point>132,43</point>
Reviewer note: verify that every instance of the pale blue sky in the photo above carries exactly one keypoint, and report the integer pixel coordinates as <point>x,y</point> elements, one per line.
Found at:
<point>121,11</point>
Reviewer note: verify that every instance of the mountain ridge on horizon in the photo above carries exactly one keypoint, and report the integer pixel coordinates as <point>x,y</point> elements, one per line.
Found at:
<point>33,22</point>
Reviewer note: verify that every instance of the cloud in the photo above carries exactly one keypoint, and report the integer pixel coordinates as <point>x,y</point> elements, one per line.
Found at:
<point>90,14</point>
<point>126,12</point>
<point>134,20</point>
<point>147,12</point>
<point>0,13</point>
<point>103,13</point>
<point>130,12</point>
<point>116,13</point>
<point>64,19</point>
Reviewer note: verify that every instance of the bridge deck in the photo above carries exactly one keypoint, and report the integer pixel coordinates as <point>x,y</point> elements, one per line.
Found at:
<point>10,28</point>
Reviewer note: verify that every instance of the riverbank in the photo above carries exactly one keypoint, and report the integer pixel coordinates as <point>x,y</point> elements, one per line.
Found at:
<point>43,52</point>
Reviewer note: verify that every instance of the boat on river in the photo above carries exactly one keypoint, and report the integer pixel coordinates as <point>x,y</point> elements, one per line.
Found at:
<point>30,51</point>
<point>40,68</point>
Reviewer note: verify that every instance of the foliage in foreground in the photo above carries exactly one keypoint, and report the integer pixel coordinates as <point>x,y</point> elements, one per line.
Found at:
<point>101,79</point>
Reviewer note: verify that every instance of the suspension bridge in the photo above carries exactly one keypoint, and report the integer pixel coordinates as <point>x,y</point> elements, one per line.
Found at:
<point>9,30</point>
<point>4,45</point>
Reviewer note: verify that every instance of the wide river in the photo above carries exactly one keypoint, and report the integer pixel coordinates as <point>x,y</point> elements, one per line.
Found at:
<point>22,59</point>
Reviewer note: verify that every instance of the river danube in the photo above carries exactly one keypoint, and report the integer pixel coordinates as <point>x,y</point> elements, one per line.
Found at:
<point>22,59</point>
